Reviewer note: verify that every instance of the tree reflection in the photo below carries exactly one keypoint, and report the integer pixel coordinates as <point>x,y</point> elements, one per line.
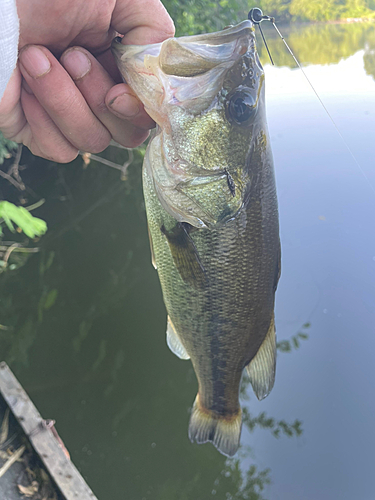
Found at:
<point>198,16</point>
<point>61,305</point>
<point>250,484</point>
<point>69,304</point>
<point>316,43</point>
<point>64,313</point>
<point>236,484</point>
<point>312,44</point>
<point>235,481</point>
<point>369,55</point>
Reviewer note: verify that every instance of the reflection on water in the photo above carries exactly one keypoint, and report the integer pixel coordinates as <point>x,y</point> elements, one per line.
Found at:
<point>318,43</point>
<point>85,322</point>
<point>86,336</point>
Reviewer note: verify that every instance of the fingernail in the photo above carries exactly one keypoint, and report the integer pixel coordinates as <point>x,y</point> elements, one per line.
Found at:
<point>76,63</point>
<point>34,61</point>
<point>126,105</point>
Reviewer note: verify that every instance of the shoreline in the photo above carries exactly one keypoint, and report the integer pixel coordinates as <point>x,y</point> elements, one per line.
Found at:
<point>351,20</point>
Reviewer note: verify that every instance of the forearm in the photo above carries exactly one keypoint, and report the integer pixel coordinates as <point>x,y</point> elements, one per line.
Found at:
<point>9,31</point>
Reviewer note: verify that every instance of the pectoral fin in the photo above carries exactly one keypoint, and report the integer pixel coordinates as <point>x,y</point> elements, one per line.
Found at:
<point>174,342</point>
<point>185,255</point>
<point>261,368</point>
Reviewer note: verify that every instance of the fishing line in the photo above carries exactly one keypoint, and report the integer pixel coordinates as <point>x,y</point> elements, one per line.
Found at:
<point>265,43</point>
<point>256,16</point>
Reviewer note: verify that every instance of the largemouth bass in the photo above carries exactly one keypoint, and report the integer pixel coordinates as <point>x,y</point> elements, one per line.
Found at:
<point>212,213</point>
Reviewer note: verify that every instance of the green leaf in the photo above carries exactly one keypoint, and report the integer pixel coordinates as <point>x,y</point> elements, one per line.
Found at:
<point>31,226</point>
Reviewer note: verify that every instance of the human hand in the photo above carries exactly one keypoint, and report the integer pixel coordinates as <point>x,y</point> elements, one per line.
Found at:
<point>57,107</point>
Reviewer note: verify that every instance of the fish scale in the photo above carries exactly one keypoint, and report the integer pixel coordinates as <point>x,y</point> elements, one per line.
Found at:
<point>215,244</point>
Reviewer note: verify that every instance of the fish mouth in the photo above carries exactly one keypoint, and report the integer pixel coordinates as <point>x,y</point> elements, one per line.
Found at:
<point>245,28</point>
<point>181,70</point>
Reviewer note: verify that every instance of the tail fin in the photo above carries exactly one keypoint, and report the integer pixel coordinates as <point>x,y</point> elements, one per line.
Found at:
<point>223,432</point>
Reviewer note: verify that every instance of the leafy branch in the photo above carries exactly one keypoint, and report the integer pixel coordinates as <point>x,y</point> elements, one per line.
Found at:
<point>30,225</point>
<point>277,427</point>
<point>295,341</point>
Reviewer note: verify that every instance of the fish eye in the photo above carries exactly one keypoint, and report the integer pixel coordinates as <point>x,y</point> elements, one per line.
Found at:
<point>242,107</point>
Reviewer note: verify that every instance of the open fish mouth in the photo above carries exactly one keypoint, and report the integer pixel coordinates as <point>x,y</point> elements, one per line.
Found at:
<point>199,89</point>
<point>214,46</point>
<point>158,73</point>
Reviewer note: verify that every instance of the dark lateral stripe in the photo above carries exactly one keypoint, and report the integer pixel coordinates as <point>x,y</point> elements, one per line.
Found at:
<point>218,369</point>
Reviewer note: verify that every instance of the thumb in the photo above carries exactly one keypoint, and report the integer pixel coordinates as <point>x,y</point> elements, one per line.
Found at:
<point>12,119</point>
<point>142,22</point>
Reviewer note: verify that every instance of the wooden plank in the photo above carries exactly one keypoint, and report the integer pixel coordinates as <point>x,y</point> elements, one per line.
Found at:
<point>63,472</point>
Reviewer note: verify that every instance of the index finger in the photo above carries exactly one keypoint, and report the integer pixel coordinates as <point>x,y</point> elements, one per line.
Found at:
<point>142,22</point>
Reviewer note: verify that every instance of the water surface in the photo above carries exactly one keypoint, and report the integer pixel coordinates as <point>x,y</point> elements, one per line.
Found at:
<point>87,320</point>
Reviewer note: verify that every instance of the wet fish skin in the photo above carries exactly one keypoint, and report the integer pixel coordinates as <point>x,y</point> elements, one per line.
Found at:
<point>212,213</point>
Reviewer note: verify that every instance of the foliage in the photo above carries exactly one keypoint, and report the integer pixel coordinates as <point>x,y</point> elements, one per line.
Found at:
<point>251,484</point>
<point>316,10</point>
<point>277,427</point>
<point>369,56</point>
<point>22,303</point>
<point>278,9</point>
<point>31,226</point>
<point>328,10</point>
<point>295,340</point>
<point>198,16</point>
<point>369,60</point>
<point>319,43</point>
<point>314,44</point>
<point>6,148</point>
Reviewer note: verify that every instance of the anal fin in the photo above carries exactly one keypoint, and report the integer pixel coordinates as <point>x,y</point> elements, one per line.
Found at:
<point>174,342</point>
<point>261,368</point>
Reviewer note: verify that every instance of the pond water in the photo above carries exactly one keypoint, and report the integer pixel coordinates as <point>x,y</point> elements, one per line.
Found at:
<point>86,321</point>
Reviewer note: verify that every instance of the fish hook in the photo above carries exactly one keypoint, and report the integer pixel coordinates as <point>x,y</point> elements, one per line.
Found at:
<point>256,16</point>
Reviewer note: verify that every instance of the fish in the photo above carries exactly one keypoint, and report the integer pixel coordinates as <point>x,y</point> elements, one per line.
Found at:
<point>212,212</point>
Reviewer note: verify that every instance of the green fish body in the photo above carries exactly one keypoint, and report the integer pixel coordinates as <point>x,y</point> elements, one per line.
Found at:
<point>212,213</point>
